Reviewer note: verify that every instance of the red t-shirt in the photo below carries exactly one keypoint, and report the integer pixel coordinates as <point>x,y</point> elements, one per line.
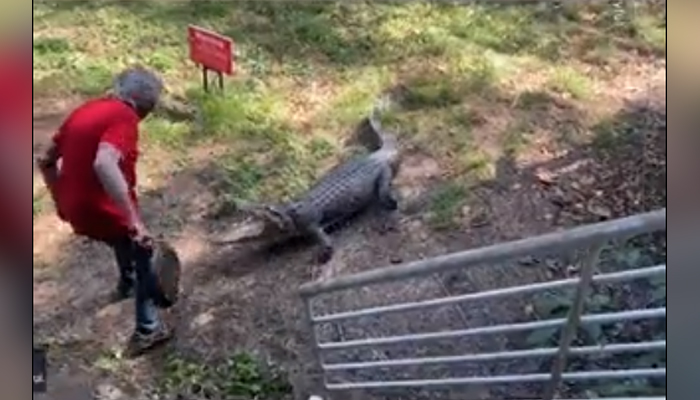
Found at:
<point>16,137</point>
<point>82,201</point>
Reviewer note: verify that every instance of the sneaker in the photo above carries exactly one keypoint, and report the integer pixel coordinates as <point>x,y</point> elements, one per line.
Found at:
<point>141,342</point>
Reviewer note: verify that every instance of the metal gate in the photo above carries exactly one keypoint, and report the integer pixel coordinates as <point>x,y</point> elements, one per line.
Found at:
<point>589,237</point>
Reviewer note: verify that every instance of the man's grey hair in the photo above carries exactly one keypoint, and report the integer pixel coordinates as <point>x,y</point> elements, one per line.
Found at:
<point>138,86</point>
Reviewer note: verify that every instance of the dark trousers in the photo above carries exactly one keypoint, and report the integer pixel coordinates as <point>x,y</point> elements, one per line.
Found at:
<point>136,271</point>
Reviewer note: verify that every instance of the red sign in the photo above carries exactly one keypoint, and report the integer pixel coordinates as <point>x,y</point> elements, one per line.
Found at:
<point>210,50</point>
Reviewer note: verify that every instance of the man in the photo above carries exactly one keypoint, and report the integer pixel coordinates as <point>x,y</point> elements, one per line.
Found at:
<point>94,188</point>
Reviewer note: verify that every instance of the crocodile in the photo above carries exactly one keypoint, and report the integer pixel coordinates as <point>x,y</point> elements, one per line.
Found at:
<point>340,195</point>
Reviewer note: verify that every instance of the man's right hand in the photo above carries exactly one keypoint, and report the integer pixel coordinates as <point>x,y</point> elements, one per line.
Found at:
<point>48,166</point>
<point>141,235</point>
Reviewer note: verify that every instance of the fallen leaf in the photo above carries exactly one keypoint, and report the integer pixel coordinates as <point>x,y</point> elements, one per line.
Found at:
<point>600,211</point>
<point>528,261</point>
<point>529,309</point>
<point>545,177</point>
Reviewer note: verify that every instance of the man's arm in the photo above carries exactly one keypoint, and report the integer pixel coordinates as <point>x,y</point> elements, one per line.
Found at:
<point>48,166</point>
<point>106,167</point>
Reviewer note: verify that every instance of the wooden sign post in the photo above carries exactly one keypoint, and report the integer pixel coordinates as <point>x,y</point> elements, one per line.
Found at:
<point>211,52</point>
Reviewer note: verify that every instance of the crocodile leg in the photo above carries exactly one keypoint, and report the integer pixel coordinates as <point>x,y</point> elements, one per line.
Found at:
<point>384,190</point>
<point>324,241</point>
<point>387,200</point>
<point>307,221</point>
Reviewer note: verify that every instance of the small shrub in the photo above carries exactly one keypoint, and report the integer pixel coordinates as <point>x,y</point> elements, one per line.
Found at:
<point>239,376</point>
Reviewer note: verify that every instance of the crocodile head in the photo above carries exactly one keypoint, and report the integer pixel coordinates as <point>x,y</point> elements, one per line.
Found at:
<point>259,223</point>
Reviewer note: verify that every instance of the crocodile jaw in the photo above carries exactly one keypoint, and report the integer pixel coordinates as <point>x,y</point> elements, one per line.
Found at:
<point>248,230</point>
<point>260,225</point>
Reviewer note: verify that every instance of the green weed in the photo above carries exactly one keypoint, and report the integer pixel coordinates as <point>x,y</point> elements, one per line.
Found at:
<point>163,132</point>
<point>651,32</point>
<point>239,376</point>
<point>37,205</point>
<point>571,82</point>
<point>446,205</point>
<point>613,133</point>
<point>606,299</point>
<point>516,138</point>
<point>533,100</point>
<point>477,165</point>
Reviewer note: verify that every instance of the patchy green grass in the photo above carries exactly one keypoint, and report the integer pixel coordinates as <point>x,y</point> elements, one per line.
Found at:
<point>570,82</point>
<point>611,134</point>
<point>308,72</point>
<point>37,205</point>
<point>516,138</point>
<point>530,100</point>
<point>652,32</point>
<point>446,206</point>
<point>239,376</point>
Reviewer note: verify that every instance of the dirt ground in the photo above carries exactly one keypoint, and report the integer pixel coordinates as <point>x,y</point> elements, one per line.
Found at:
<point>235,301</point>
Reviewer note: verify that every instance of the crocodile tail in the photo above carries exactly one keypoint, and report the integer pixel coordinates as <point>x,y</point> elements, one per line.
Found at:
<point>384,139</point>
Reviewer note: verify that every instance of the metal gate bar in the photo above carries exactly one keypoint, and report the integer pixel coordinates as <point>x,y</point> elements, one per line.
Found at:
<point>577,238</point>
<point>490,330</point>
<point>525,289</point>
<point>504,355</point>
<point>591,237</point>
<point>523,378</point>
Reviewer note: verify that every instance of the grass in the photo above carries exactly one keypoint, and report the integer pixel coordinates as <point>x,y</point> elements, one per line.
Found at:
<point>651,32</point>
<point>238,376</point>
<point>516,138</point>
<point>308,72</point>
<point>446,206</point>
<point>570,82</point>
<point>37,205</point>
<point>352,51</point>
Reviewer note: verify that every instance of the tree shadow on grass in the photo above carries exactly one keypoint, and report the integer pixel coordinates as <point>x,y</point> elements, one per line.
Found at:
<point>622,172</point>
<point>346,35</point>
<point>274,31</point>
